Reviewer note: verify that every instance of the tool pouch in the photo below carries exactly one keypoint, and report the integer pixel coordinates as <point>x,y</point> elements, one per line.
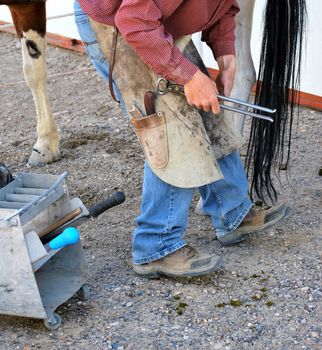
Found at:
<point>152,133</point>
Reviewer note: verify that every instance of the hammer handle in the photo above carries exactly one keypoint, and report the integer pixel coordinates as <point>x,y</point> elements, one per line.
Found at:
<point>109,202</point>
<point>149,100</point>
<point>60,222</point>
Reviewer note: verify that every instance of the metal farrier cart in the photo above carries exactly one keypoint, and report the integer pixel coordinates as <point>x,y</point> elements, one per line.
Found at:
<point>42,262</point>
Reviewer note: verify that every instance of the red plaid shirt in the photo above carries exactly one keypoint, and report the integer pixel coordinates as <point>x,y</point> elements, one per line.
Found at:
<point>150,26</point>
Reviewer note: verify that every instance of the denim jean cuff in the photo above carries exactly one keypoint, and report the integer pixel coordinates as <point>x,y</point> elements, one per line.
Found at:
<point>161,254</point>
<point>245,208</point>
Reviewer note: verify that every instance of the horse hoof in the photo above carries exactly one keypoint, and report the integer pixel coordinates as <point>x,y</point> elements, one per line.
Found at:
<point>38,159</point>
<point>199,209</point>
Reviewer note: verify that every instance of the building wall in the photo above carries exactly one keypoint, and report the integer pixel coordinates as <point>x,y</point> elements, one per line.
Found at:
<point>312,57</point>
<point>311,71</point>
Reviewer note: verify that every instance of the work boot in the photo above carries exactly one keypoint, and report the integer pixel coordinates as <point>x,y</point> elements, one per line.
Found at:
<point>256,220</point>
<point>184,262</point>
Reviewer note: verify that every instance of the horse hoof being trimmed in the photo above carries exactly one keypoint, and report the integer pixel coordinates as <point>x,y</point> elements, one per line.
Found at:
<point>40,158</point>
<point>199,209</point>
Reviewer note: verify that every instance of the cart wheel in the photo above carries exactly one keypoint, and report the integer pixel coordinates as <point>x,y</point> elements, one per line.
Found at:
<point>53,322</point>
<point>84,292</point>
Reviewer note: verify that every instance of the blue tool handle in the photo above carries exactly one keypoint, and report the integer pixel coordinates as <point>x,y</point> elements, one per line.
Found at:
<point>69,236</point>
<point>109,202</point>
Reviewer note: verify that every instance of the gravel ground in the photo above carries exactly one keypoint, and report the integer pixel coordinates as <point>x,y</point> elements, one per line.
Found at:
<point>267,295</point>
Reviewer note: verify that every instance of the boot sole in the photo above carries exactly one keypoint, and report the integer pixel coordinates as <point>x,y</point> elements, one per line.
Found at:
<point>240,235</point>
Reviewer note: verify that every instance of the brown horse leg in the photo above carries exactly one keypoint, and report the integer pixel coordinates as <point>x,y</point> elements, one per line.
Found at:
<point>30,23</point>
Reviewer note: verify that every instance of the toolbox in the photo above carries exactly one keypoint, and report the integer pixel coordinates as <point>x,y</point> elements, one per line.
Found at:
<point>37,276</point>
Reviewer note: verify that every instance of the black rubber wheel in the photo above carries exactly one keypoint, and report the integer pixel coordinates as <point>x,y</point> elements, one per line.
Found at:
<point>53,322</point>
<point>5,175</point>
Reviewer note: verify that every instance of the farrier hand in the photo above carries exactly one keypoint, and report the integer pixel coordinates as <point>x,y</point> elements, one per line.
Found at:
<point>227,69</point>
<point>201,92</point>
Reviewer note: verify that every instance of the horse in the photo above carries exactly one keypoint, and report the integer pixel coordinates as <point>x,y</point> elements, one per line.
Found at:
<point>279,73</point>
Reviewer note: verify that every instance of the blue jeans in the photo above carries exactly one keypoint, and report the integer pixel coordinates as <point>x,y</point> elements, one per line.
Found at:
<point>165,208</point>
<point>93,49</point>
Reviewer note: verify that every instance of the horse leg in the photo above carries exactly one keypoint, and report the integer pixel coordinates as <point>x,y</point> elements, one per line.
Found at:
<point>30,23</point>
<point>245,72</point>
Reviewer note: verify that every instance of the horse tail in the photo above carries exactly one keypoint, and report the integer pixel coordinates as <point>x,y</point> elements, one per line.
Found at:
<point>278,79</point>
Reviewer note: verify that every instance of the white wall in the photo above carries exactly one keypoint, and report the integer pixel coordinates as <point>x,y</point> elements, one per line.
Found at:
<point>311,71</point>
<point>64,26</point>
<point>312,65</point>
<point>312,58</point>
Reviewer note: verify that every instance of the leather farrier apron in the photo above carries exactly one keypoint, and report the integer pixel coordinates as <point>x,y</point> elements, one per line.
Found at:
<point>180,143</point>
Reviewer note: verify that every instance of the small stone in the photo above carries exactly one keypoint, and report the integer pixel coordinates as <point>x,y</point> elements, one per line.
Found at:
<point>256,297</point>
<point>259,328</point>
<point>218,346</point>
<point>129,293</point>
<point>310,307</point>
<point>139,293</point>
<point>314,335</point>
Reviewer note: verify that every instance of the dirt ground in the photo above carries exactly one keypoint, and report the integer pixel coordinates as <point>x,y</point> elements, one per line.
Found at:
<point>267,295</point>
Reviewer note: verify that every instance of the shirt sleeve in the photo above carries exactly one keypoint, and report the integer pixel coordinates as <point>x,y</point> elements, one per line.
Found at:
<point>221,36</point>
<point>139,22</point>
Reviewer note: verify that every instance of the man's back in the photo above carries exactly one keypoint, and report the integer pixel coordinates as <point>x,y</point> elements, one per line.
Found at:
<point>178,17</point>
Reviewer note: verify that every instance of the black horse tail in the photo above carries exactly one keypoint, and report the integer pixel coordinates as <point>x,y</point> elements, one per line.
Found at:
<point>278,79</point>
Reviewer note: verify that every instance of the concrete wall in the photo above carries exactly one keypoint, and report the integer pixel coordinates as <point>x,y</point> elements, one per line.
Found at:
<point>311,73</point>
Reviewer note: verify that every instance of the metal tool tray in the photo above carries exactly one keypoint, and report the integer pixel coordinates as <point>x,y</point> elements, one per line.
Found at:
<point>29,288</point>
<point>30,194</point>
